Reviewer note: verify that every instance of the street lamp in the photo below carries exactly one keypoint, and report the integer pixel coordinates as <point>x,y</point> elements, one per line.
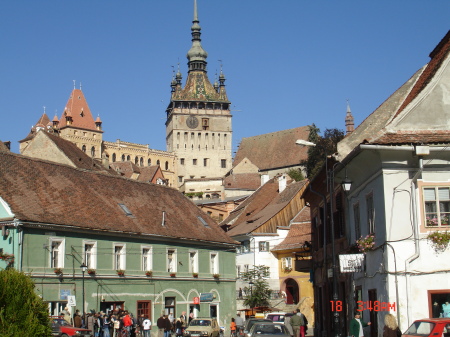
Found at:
<point>83,269</point>
<point>346,185</point>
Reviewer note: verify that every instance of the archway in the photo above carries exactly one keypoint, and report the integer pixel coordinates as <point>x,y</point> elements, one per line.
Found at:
<point>292,291</point>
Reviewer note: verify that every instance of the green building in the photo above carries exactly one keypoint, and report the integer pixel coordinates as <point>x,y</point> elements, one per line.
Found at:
<point>146,248</point>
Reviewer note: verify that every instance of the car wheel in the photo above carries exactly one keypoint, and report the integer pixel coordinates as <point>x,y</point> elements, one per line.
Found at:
<point>64,335</point>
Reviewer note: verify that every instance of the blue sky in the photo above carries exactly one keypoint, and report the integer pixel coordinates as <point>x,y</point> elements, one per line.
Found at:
<point>288,63</point>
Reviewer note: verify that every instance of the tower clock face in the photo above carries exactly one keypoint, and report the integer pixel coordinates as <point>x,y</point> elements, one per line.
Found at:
<point>192,122</point>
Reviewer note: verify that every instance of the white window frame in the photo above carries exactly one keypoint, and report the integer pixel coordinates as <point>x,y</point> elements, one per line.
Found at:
<point>147,258</point>
<point>60,243</point>
<point>90,257</point>
<point>171,260</point>
<point>286,262</point>
<point>214,262</point>
<point>370,211</point>
<point>119,259</point>
<point>263,246</point>
<point>437,220</point>
<point>193,261</point>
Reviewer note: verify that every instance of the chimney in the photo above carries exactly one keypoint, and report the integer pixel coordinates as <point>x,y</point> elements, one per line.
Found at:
<point>264,178</point>
<point>281,183</point>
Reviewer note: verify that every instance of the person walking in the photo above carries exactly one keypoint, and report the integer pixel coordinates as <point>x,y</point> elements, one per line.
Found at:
<point>233,327</point>
<point>146,326</point>
<point>179,327</point>
<point>296,323</point>
<point>168,326</point>
<point>239,323</point>
<point>391,327</point>
<point>287,323</point>
<point>357,325</point>
<point>161,324</point>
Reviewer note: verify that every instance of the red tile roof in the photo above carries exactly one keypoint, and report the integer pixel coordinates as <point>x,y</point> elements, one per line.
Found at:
<point>276,149</point>
<point>248,181</point>
<point>298,234</point>
<point>78,108</point>
<point>261,206</point>
<point>44,192</point>
<point>409,137</point>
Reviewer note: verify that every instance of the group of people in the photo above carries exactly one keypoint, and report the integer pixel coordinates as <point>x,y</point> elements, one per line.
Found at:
<point>390,329</point>
<point>117,323</point>
<point>167,324</point>
<point>297,324</point>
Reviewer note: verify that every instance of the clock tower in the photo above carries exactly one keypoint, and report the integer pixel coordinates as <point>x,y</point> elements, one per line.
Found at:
<point>198,125</point>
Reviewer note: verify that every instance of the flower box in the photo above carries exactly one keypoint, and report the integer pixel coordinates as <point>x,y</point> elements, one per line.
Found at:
<point>173,274</point>
<point>216,275</point>
<point>120,272</point>
<point>366,243</point>
<point>194,274</point>
<point>58,271</point>
<point>91,271</point>
<point>439,240</point>
<point>148,273</point>
<point>287,269</point>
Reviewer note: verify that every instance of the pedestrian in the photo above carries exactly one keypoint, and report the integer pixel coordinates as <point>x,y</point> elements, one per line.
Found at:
<point>183,321</point>
<point>391,327</point>
<point>168,326</point>
<point>161,324</point>
<point>296,323</point>
<point>146,326</point>
<point>233,327</point>
<point>90,322</point>
<point>191,317</point>
<point>239,323</point>
<point>77,321</point>
<point>303,328</point>
<point>127,322</point>
<point>357,325</point>
<point>179,327</point>
<point>105,327</point>
<point>287,323</point>
<point>66,313</point>
<point>117,322</point>
<point>240,293</point>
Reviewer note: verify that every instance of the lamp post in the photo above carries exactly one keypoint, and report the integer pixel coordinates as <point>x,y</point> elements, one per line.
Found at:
<point>83,269</point>
<point>346,184</point>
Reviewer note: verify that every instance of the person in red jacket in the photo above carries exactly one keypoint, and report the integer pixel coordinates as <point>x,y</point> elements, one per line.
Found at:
<point>127,323</point>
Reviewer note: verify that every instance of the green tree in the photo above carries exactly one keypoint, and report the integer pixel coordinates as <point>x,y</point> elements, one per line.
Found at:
<point>325,146</point>
<point>22,312</point>
<point>258,294</point>
<point>295,174</point>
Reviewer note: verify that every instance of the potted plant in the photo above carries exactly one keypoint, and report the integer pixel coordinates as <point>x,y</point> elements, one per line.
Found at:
<point>287,269</point>
<point>91,271</point>
<point>194,274</point>
<point>148,273</point>
<point>366,243</point>
<point>120,272</point>
<point>172,274</point>
<point>432,221</point>
<point>58,271</point>
<point>439,240</point>
<point>216,275</point>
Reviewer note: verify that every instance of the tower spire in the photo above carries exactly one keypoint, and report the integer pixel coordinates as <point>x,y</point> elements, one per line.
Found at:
<point>196,55</point>
<point>349,120</point>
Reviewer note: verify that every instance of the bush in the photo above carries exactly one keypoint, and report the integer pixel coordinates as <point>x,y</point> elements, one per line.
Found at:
<point>22,312</point>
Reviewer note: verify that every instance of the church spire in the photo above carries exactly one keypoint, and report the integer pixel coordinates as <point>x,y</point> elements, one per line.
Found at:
<point>196,55</point>
<point>349,120</point>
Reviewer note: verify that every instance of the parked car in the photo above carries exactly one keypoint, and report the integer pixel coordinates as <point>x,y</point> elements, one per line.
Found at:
<point>269,329</point>
<point>429,327</point>
<point>278,316</point>
<point>61,328</point>
<point>251,321</point>
<point>202,327</point>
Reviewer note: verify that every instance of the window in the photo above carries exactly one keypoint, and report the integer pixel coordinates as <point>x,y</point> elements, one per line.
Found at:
<point>119,256</point>
<point>166,165</point>
<point>223,163</point>
<point>370,213</point>
<point>180,179</point>
<point>264,246</point>
<point>181,161</point>
<point>356,216</point>
<point>214,263</point>
<point>286,262</point>
<point>205,161</point>
<point>128,158</point>
<point>246,247</point>
<point>158,162</point>
<point>246,268</point>
<point>90,255</point>
<point>437,206</point>
<point>149,162</point>
<point>146,258</point>
<point>114,157</point>
<point>141,161</point>
<point>123,157</point>
<point>93,151</point>
<point>220,217</point>
<point>171,260</point>
<point>56,253</point>
<point>136,160</point>
<point>169,306</point>
<point>194,161</point>
<point>193,261</point>
<point>83,148</point>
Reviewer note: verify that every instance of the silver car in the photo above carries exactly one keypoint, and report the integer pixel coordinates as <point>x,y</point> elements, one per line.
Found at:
<point>267,329</point>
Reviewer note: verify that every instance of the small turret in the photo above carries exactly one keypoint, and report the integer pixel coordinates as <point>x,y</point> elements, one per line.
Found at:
<point>98,123</point>
<point>349,120</point>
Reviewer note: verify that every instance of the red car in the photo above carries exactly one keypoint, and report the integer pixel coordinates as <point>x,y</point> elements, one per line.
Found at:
<point>429,327</point>
<point>61,328</point>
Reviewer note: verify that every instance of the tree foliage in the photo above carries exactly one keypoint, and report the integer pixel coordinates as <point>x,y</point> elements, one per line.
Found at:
<point>22,312</point>
<point>258,294</point>
<point>325,146</point>
<point>295,174</point>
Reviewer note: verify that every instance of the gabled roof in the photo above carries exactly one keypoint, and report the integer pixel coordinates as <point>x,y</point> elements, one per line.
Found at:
<point>148,173</point>
<point>298,234</point>
<point>3,147</point>
<point>247,181</point>
<point>126,168</point>
<point>273,150</point>
<point>416,113</point>
<point>71,153</point>
<point>261,206</point>
<point>43,123</point>
<point>78,109</point>
<point>38,191</point>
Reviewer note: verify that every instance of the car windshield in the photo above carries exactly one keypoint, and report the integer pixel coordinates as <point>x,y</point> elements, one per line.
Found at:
<point>56,322</point>
<point>269,329</point>
<point>276,317</point>
<point>251,322</point>
<point>420,328</point>
<point>200,322</point>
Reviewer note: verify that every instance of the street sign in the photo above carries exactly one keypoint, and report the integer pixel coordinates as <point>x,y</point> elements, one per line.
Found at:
<point>63,293</point>
<point>71,301</point>
<point>351,263</point>
<point>206,297</point>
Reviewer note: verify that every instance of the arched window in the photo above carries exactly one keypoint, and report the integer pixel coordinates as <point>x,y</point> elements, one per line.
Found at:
<point>114,157</point>
<point>123,157</point>
<point>166,165</point>
<point>128,158</point>
<point>83,148</point>
<point>93,151</point>
<point>141,162</point>
<point>136,160</point>
<point>149,162</point>
<point>157,162</point>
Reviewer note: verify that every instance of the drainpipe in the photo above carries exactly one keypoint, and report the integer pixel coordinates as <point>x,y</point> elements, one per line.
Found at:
<point>396,283</point>
<point>416,254</point>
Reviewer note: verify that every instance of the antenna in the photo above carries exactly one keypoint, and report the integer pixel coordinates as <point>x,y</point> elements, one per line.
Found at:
<point>74,84</point>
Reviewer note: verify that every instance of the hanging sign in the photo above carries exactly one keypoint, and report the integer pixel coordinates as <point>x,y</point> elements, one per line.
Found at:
<point>71,301</point>
<point>206,297</point>
<point>196,300</point>
<point>351,263</point>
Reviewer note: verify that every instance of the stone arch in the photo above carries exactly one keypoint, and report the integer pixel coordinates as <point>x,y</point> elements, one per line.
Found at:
<point>292,291</point>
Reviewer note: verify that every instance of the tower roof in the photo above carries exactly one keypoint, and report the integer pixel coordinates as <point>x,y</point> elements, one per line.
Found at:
<point>78,109</point>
